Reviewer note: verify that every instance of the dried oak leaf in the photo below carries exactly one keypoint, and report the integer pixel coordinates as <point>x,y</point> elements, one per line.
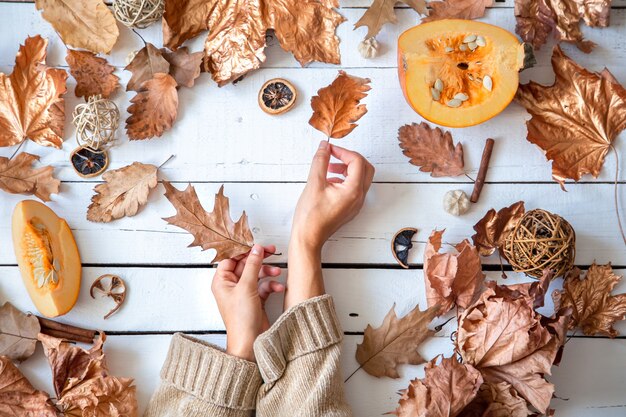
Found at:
<point>184,66</point>
<point>17,176</point>
<point>31,102</point>
<point>595,309</point>
<point>457,9</point>
<point>432,150</point>
<point>94,75</point>
<point>382,11</point>
<point>444,392</point>
<point>148,62</point>
<point>18,333</point>
<point>214,230</point>
<point>451,279</point>
<point>493,229</point>
<point>395,342</point>
<point>18,398</point>
<point>153,109</point>
<point>84,24</point>
<point>496,400</point>
<point>124,192</point>
<point>576,119</point>
<point>336,108</point>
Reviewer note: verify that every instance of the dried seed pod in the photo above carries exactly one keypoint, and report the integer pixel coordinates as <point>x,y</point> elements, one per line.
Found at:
<point>456,202</point>
<point>110,286</point>
<point>368,48</point>
<point>87,163</point>
<point>277,96</point>
<point>401,244</point>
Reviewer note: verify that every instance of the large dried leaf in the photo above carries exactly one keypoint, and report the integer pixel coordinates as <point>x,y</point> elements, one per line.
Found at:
<point>84,24</point>
<point>432,150</point>
<point>31,103</point>
<point>444,392</point>
<point>576,119</point>
<point>381,12</point>
<point>18,398</point>
<point>184,66</point>
<point>17,176</point>
<point>595,309</point>
<point>395,342</point>
<point>153,109</point>
<point>148,62</point>
<point>336,108</point>
<point>214,230</point>
<point>94,75</point>
<point>493,229</point>
<point>457,9</point>
<point>185,19</point>
<point>124,192</point>
<point>18,333</point>
<point>496,400</point>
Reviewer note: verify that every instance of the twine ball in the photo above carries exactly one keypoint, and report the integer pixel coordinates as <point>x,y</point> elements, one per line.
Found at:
<point>96,122</point>
<point>138,14</point>
<point>541,240</point>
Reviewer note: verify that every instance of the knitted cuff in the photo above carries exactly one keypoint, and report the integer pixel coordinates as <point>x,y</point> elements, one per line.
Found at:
<point>208,373</point>
<point>304,328</point>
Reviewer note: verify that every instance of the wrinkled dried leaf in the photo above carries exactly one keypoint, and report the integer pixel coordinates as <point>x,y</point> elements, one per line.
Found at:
<point>534,292</point>
<point>148,62</point>
<point>31,103</point>
<point>184,66</point>
<point>17,176</point>
<point>153,109</point>
<point>84,24</point>
<point>336,108</point>
<point>93,75</point>
<point>395,342</point>
<point>18,398</point>
<point>432,150</point>
<point>381,12</point>
<point>595,309</point>
<point>496,400</point>
<point>576,119</point>
<point>185,19</point>
<point>493,229</point>
<point>214,230</point>
<point>124,192</point>
<point>457,9</point>
<point>18,333</point>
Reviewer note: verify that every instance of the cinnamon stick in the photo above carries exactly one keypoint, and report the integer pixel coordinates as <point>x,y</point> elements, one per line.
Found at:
<point>67,336</point>
<point>67,329</point>
<point>482,171</point>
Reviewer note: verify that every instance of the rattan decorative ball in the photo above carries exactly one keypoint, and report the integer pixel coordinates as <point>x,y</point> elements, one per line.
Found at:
<point>96,122</point>
<point>541,240</point>
<point>138,14</point>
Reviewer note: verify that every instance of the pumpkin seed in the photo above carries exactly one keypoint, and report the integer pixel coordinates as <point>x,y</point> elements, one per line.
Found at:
<point>438,85</point>
<point>463,47</point>
<point>487,83</point>
<point>448,49</point>
<point>471,77</point>
<point>480,41</point>
<point>460,96</point>
<point>435,93</point>
<point>469,38</point>
<point>454,103</point>
<point>472,45</point>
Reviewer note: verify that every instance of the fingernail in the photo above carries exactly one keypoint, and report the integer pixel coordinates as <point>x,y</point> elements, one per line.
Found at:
<point>323,144</point>
<point>257,250</point>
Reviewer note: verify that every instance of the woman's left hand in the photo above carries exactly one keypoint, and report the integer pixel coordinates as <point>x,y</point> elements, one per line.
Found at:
<point>241,298</point>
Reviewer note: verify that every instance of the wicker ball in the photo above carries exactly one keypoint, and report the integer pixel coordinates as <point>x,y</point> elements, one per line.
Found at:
<point>96,122</point>
<point>138,14</point>
<point>541,240</point>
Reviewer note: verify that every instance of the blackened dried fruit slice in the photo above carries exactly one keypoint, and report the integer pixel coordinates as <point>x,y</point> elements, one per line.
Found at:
<point>401,244</point>
<point>277,96</point>
<point>88,163</point>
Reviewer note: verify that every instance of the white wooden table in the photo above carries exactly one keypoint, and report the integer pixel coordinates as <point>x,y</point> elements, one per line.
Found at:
<point>222,137</point>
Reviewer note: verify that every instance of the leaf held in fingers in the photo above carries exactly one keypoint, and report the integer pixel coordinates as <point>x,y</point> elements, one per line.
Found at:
<point>18,334</point>
<point>148,62</point>
<point>336,108</point>
<point>94,75</point>
<point>124,192</point>
<point>395,342</point>
<point>214,230</point>
<point>381,12</point>
<point>18,398</point>
<point>493,229</point>
<point>184,66</point>
<point>17,176</point>
<point>457,9</point>
<point>153,109</point>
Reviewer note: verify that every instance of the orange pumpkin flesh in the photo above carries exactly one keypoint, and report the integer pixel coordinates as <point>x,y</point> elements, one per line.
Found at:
<point>47,256</point>
<point>439,50</point>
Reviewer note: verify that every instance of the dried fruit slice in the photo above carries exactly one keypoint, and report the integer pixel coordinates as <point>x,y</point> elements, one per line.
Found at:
<point>47,256</point>
<point>277,96</point>
<point>460,73</point>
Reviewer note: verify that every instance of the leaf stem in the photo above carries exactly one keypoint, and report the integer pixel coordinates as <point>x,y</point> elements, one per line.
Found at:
<point>18,149</point>
<point>615,196</point>
<point>137,33</point>
<point>166,161</point>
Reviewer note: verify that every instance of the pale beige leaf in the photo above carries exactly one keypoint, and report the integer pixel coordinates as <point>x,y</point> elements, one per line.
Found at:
<point>17,176</point>
<point>18,398</point>
<point>184,66</point>
<point>381,12</point>
<point>493,229</point>
<point>18,333</point>
<point>457,9</point>
<point>153,109</point>
<point>148,62</point>
<point>94,75</point>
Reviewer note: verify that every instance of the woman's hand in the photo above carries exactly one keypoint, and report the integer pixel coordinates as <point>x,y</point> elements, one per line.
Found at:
<point>241,298</point>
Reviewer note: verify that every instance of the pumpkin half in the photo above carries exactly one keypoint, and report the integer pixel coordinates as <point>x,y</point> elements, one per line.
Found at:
<point>459,73</point>
<point>47,256</point>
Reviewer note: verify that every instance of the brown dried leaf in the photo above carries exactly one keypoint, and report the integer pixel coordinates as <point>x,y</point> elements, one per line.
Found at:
<point>125,190</point>
<point>31,103</point>
<point>84,24</point>
<point>184,66</point>
<point>148,62</point>
<point>336,107</point>
<point>17,176</point>
<point>576,119</point>
<point>595,309</point>
<point>533,292</point>
<point>496,400</point>
<point>18,333</point>
<point>214,230</point>
<point>381,12</point>
<point>395,342</point>
<point>93,75</point>
<point>154,108</point>
<point>18,398</point>
<point>457,9</point>
<point>432,150</point>
<point>493,229</point>
<point>185,19</point>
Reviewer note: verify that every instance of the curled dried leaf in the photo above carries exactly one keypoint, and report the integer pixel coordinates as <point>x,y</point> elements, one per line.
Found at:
<point>111,286</point>
<point>146,63</point>
<point>493,229</point>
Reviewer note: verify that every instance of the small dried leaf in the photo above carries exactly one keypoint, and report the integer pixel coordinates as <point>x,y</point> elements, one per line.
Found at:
<point>185,19</point>
<point>154,108</point>
<point>148,62</point>
<point>18,398</point>
<point>17,176</point>
<point>93,75</point>
<point>18,333</point>
<point>381,12</point>
<point>184,66</point>
<point>496,400</point>
<point>493,229</point>
<point>457,9</point>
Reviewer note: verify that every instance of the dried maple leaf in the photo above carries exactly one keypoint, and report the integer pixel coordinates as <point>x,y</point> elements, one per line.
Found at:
<point>496,400</point>
<point>445,390</point>
<point>18,398</point>
<point>31,103</point>
<point>84,24</point>
<point>125,190</point>
<point>395,342</point>
<point>93,75</point>
<point>184,66</point>
<point>576,119</point>
<point>185,19</point>
<point>336,108</point>
<point>17,176</point>
<point>148,62</point>
<point>457,9</point>
<point>493,229</point>
<point>18,333</point>
<point>432,150</point>
<point>595,309</point>
<point>382,11</point>
<point>153,109</point>
<point>214,230</point>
